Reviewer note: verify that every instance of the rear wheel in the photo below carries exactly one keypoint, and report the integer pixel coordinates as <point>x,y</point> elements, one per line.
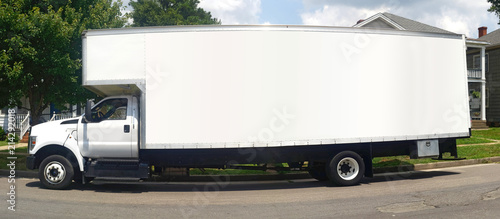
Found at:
<point>56,172</point>
<point>346,169</point>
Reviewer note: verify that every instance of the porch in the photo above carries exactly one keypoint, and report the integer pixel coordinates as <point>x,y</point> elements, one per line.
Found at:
<point>476,76</point>
<point>22,123</point>
<point>474,73</point>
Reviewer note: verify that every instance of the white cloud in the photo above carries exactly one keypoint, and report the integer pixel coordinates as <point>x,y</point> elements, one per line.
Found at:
<point>338,15</point>
<point>233,11</point>
<point>459,16</point>
<point>453,25</point>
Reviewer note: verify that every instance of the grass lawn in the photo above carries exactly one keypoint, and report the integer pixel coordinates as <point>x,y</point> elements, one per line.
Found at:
<point>4,143</point>
<point>492,133</point>
<point>481,136</point>
<point>473,140</point>
<point>18,150</point>
<point>468,152</point>
<point>481,151</point>
<point>20,162</point>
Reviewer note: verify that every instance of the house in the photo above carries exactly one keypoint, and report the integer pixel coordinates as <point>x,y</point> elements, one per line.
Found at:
<point>22,118</point>
<point>491,66</point>
<point>390,21</point>
<point>476,73</point>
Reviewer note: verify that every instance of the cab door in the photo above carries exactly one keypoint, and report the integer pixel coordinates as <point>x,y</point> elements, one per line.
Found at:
<point>110,132</point>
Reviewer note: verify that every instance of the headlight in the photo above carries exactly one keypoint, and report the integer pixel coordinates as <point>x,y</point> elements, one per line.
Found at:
<point>31,143</point>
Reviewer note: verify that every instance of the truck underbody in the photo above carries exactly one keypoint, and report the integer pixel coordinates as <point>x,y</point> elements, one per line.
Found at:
<point>312,158</point>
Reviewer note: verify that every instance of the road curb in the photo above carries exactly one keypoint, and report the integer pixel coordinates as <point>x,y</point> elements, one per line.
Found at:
<point>437,165</point>
<point>19,173</point>
<point>289,176</point>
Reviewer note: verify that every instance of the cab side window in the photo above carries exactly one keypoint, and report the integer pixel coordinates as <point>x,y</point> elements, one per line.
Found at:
<point>112,109</point>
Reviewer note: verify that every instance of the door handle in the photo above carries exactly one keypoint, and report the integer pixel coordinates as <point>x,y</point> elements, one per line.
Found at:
<point>126,128</point>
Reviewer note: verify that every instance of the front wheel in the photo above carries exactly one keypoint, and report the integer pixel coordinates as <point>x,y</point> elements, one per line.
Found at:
<point>346,169</point>
<point>56,172</point>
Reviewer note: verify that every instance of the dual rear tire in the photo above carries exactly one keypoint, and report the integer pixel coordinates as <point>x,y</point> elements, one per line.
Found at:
<point>344,169</point>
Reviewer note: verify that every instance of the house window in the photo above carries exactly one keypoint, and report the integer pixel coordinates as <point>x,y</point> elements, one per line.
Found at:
<point>476,64</point>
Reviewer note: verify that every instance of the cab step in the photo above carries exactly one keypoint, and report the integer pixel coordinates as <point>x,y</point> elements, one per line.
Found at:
<point>117,168</point>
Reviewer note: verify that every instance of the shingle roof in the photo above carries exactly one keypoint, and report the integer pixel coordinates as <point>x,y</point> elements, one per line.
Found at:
<point>493,38</point>
<point>405,23</point>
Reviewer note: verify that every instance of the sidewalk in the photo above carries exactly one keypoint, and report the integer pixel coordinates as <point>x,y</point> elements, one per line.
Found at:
<point>18,145</point>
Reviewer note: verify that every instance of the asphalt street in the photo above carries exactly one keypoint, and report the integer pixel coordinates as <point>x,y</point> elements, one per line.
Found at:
<point>458,192</point>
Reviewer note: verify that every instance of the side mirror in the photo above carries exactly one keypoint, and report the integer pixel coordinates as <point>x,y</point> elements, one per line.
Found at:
<point>88,111</point>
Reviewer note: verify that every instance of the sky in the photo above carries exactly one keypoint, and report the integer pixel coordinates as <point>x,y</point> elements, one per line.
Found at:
<point>459,16</point>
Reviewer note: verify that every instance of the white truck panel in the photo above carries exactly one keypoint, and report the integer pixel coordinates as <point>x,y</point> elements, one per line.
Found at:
<point>114,58</point>
<point>221,87</point>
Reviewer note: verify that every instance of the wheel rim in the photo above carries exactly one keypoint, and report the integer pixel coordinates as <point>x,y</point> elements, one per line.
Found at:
<point>348,168</point>
<point>54,172</point>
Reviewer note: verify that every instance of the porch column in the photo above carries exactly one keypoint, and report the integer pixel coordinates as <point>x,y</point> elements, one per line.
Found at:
<point>483,83</point>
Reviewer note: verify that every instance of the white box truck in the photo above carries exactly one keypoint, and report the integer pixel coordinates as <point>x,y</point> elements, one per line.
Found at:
<point>322,99</point>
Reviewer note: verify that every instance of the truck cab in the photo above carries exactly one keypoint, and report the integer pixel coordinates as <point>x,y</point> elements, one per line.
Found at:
<point>110,129</point>
<point>66,149</point>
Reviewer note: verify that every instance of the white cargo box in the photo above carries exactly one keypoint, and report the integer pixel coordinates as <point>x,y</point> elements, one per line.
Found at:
<point>263,86</point>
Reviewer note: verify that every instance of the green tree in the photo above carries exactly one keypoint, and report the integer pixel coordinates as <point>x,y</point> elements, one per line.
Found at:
<point>40,49</point>
<point>495,7</point>
<point>169,12</point>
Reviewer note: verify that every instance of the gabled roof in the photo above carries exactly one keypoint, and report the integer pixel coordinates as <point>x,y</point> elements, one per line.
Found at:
<point>493,38</point>
<point>400,23</point>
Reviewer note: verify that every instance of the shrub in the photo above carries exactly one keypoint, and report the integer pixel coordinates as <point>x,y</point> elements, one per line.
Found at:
<point>3,135</point>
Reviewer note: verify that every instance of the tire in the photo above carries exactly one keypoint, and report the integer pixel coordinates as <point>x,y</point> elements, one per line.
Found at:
<point>318,172</point>
<point>56,172</point>
<point>346,169</point>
